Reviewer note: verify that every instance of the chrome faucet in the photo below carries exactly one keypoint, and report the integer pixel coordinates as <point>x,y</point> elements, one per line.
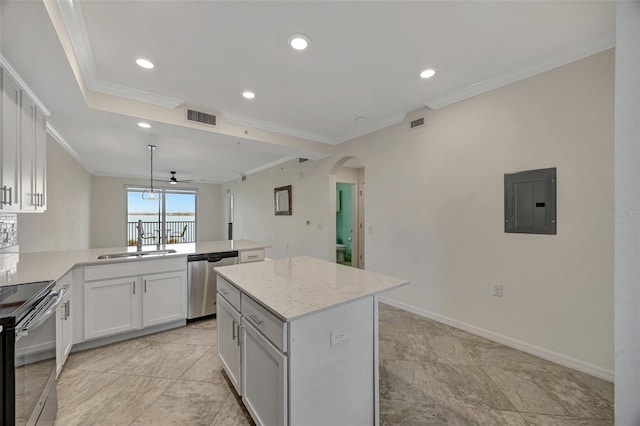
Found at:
<point>140,235</point>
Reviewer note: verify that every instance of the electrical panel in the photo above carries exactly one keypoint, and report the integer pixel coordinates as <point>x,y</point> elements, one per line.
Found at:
<point>530,202</point>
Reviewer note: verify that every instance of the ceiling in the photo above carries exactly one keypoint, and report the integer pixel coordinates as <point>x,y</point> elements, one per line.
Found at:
<point>364,60</point>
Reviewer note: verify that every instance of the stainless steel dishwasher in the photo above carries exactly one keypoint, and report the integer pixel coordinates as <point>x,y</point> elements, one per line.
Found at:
<point>202,281</point>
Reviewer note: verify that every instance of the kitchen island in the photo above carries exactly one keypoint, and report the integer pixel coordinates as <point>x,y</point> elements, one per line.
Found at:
<point>298,338</point>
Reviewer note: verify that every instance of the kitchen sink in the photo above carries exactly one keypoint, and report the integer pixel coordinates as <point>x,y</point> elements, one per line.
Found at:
<point>136,254</point>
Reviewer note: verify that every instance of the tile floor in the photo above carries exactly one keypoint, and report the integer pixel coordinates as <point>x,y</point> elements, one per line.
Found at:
<point>430,374</point>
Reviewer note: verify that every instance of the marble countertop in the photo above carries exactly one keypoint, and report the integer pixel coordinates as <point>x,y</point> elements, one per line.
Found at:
<point>294,287</point>
<point>19,268</point>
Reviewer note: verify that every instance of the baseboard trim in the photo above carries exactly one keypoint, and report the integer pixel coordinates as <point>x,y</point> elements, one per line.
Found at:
<point>552,356</point>
<point>91,344</point>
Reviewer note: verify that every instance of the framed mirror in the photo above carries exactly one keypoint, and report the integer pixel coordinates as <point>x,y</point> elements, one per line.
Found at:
<point>282,200</point>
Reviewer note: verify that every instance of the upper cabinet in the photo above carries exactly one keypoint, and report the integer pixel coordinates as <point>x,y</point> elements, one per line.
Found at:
<point>22,148</point>
<point>10,144</point>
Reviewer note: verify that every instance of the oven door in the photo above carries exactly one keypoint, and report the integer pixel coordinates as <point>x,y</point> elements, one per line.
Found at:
<point>35,364</point>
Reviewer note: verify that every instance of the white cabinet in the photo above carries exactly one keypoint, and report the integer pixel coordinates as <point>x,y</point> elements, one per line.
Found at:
<point>229,341</point>
<point>28,198</point>
<point>33,157</point>
<point>128,296</point>
<point>163,298</point>
<point>9,144</point>
<point>64,324</point>
<point>40,161</point>
<point>264,378</point>
<point>23,149</point>
<point>251,256</point>
<point>111,307</point>
<point>64,331</point>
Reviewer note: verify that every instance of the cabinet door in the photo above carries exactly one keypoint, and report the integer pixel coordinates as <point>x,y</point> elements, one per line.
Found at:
<point>64,329</point>
<point>164,298</point>
<point>28,198</point>
<point>9,144</point>
<point>111,307</point>
<point>40,161</point>
<point>229,341</point>
<point>264,378</point>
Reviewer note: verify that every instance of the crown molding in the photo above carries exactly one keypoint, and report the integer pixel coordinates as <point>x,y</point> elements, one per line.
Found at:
<point>73,19</point>
<point>269,165</point>
<point>588,49</point>
<point>63,143</point>
<point>136,94</point>
<point>272,127</point>
<point>378,125</point>
<point>6,67</point>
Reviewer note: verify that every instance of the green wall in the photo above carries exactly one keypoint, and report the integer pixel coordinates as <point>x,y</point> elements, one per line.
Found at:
<point>344,216</point>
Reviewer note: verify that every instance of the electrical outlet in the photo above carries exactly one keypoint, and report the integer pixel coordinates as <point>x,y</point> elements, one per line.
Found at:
<point>338,335</point>
<point>497,290</point>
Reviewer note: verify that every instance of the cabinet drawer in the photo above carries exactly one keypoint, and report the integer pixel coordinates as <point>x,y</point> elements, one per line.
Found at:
<point>229,292</point>
<point>132,268</point>
<point>251,256</point>
<point>271,326</point>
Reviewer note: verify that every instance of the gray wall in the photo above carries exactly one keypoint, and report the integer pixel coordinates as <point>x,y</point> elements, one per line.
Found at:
<point>65,225</point>
<point>434,212</point>
<point>627,248</point>
<point>109,206</point>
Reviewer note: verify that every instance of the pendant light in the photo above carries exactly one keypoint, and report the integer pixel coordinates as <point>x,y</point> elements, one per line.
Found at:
<point>150,193</point>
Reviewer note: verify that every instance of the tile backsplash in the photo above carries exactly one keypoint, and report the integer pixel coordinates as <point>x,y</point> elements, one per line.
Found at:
<point>8,230</point>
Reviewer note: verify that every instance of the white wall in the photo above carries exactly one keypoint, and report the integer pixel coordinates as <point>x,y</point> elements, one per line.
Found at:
<point>109,206</point>
<point>627,235</point>
<point>65,225</point>
<point>434,212</point>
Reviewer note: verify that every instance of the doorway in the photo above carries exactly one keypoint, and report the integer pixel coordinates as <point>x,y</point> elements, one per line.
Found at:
<point>347,188</point>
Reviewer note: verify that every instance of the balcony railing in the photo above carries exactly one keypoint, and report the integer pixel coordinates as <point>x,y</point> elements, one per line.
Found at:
<point>173,231</point>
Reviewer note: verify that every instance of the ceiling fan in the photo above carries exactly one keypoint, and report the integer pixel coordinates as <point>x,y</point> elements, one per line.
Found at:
<point>174,181</point>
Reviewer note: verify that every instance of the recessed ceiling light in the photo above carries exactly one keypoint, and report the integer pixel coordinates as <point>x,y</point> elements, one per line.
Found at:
<point>144,125</point>
<point>144,63</point>
<point>361,118</point>
<point>248,94</point>
<point>298,41</point>
<point>428,73</point>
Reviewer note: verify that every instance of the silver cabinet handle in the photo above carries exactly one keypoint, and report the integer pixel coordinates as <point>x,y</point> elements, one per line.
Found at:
<point>6,189</point>
<point>224,291</point>
<point>68,312</point>
<point>238,334</point>
<point>254,256</point>
<point>134,287</point>
<point>145,286</point>
<point>254,318</point>
<point>233,330</point>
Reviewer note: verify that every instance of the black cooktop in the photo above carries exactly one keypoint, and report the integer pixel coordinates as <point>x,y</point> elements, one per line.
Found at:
<point>16,300</point>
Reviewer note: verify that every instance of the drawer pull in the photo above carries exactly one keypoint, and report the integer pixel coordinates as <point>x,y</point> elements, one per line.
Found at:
<point>255,256</point>
<point>224,291</point>
<point>254,318</point>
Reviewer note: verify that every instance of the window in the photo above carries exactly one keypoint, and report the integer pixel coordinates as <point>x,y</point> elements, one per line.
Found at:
<point>171,219</point>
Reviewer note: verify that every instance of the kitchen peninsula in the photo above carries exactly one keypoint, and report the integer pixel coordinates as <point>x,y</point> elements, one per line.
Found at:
<point>298,338</point>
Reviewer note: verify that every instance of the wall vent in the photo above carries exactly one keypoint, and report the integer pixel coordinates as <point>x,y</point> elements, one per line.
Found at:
<point>201,117</point>
<point>416,123</point>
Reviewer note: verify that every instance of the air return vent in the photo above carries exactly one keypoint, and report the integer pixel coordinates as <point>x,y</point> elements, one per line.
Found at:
<point>416,123</point>
<point>201,117</point>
